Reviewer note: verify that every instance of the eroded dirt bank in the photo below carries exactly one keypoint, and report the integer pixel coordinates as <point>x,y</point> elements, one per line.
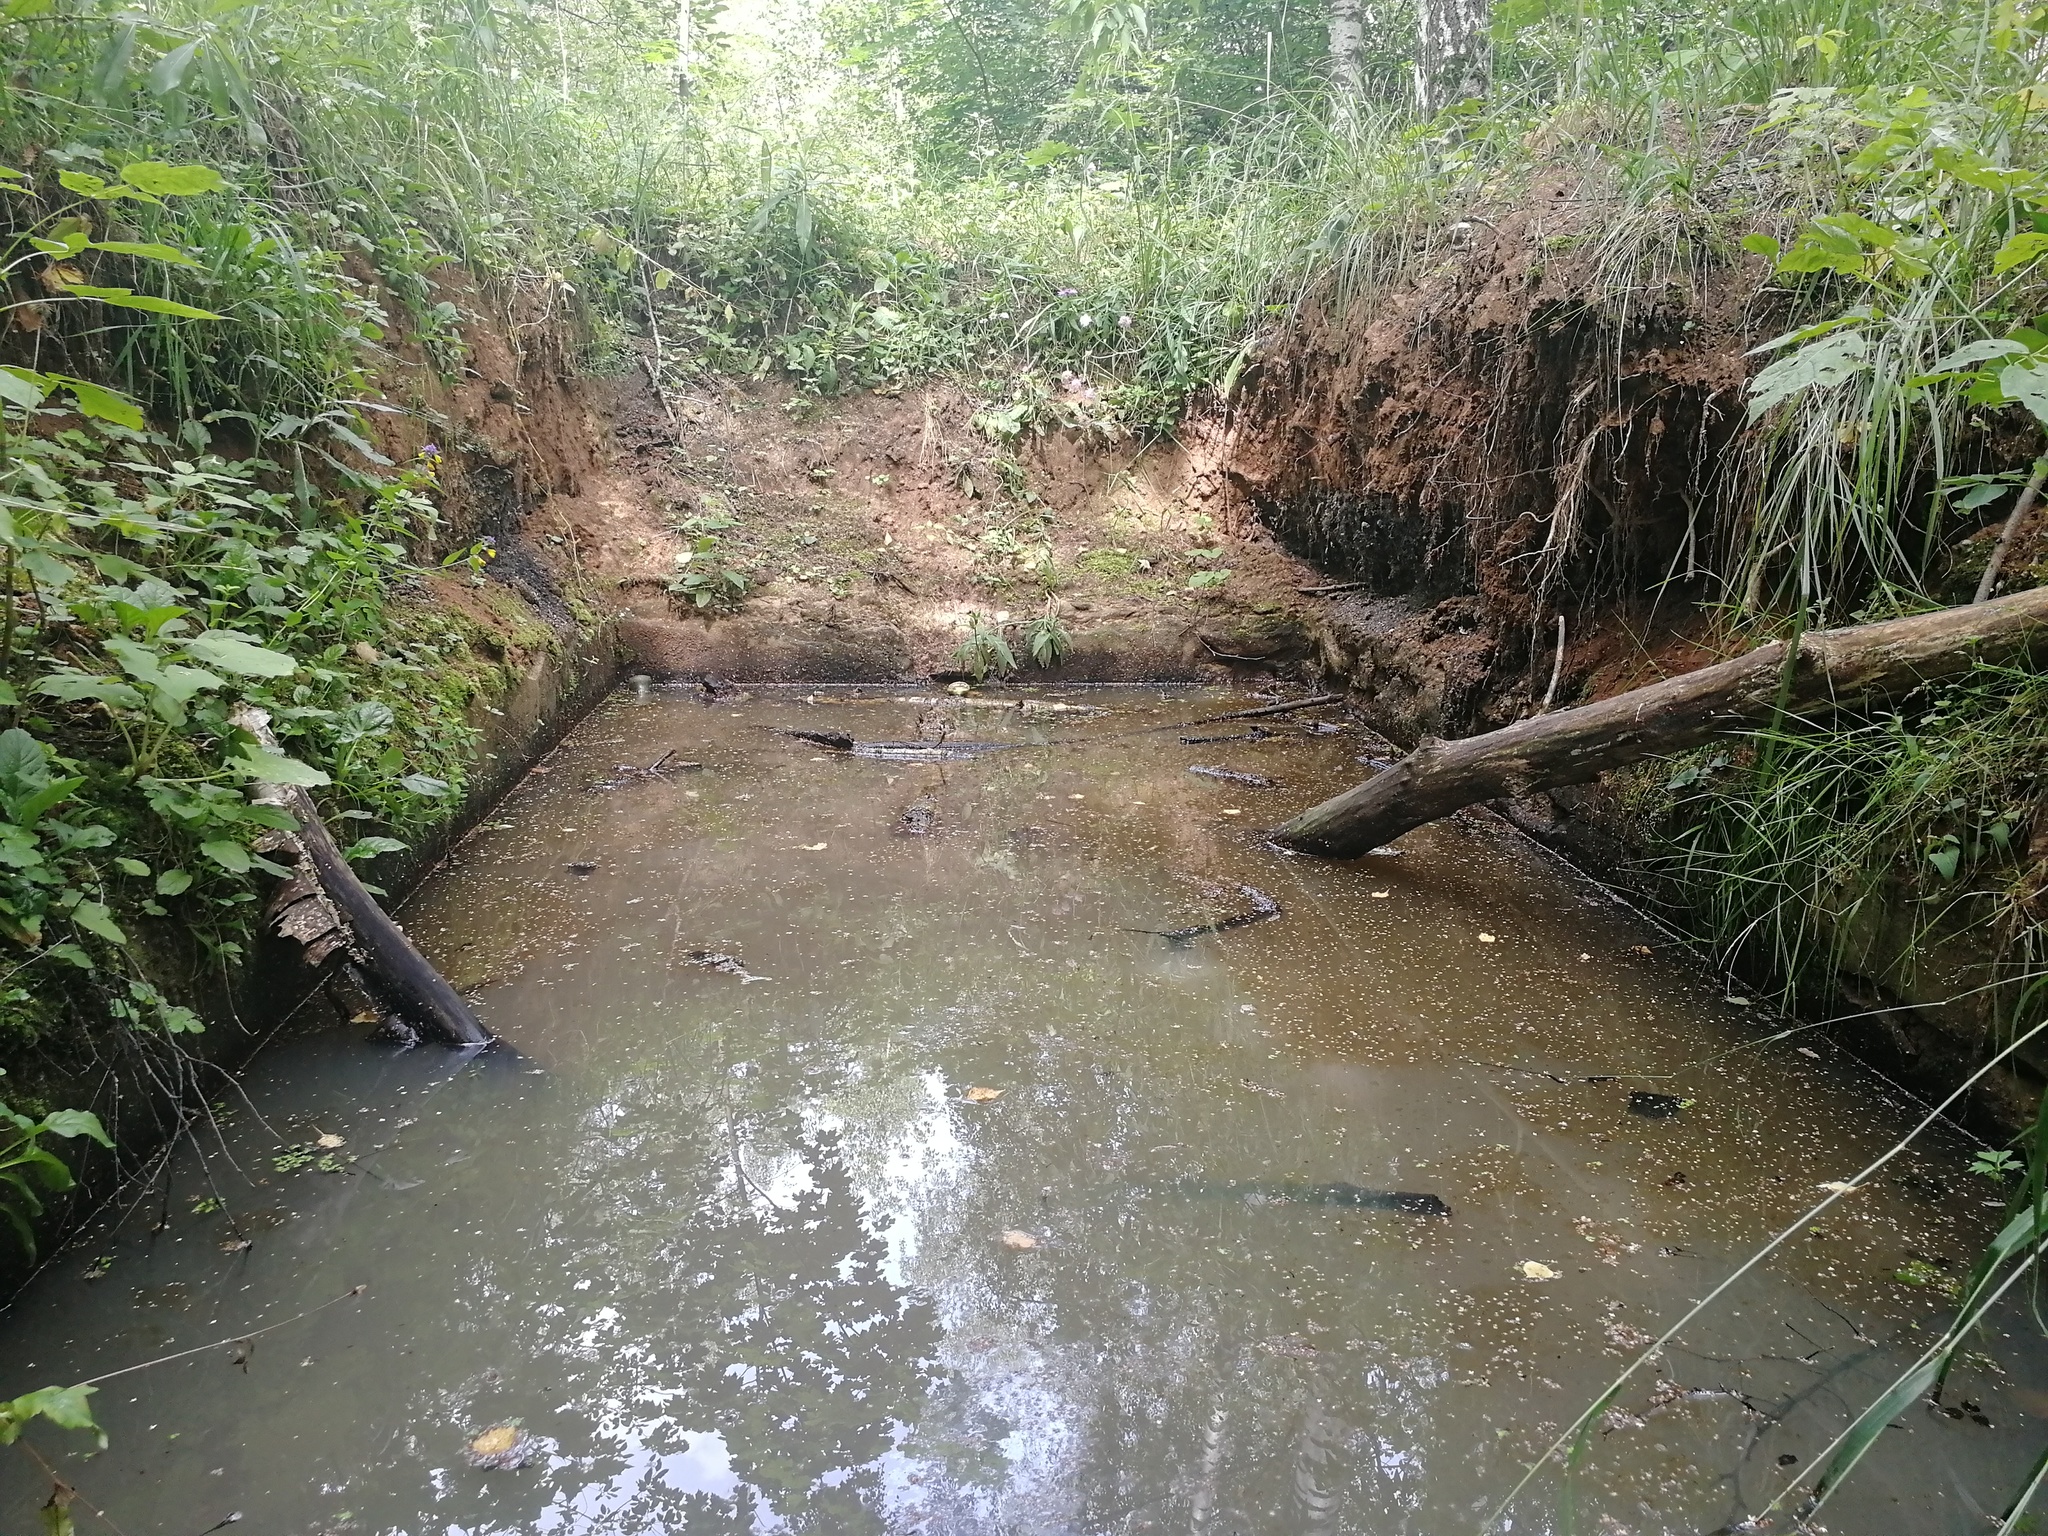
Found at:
<point>1523,470</point>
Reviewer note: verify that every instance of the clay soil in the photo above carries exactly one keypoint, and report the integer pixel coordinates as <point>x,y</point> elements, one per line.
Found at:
<point>871,528</point>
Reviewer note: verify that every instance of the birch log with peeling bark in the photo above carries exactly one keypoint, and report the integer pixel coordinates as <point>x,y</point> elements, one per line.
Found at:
<point>325,908</point>
<point>1826,670</point>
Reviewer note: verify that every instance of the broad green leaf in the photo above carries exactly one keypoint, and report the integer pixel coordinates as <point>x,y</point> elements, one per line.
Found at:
<point>2026,384</point>
<point>267,767</point>
<point>65,1407</point>
<point>22,761</point>
<point>174,882</point>
<point>143,250</point>
<point>127,298</point>
<point>162,180</point>
<point>1051,152</point>
<point>232,651</point>
<point>105,404</point>
<point>76,686</point>
<point>133,867</point>
<point>229,855</point>
<point>425,784</point>
<point>94,917</point>
<point>1762,245</point>
<point>2019,251</point>
<point>370,847</point>
<point>23,387</point>
<point>175,688</point>
<point>29,810</point>
<point>1831,360</point>
<point>1977,352</point>
<point>76,1122</point>
<point>84,183</point>
<point>168,74</point>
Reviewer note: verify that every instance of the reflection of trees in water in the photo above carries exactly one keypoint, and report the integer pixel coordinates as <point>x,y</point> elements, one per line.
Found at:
<point>1136,1373</point>
<point>817,1356</point>
<point>766,1317</point>
<point>1160,1360</point>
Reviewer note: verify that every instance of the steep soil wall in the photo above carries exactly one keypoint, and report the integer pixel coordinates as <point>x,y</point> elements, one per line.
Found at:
<point>1488,447</point>
<point>1512,437</point>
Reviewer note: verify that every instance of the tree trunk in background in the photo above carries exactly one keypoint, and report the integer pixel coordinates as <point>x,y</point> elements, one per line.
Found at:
<point>1830,669</point>
<point>1453,54</point>
<point>1347,58</point>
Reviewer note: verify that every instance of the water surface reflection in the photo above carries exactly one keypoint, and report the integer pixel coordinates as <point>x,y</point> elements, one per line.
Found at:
<point>745,1254</point>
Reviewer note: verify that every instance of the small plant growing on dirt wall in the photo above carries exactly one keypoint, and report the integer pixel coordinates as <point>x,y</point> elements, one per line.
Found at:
<point>985,651</point>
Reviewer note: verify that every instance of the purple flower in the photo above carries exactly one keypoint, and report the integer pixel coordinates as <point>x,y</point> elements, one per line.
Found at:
<point>1068,293</point>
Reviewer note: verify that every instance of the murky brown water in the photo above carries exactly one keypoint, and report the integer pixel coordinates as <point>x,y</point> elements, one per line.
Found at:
<point>733,1252</point>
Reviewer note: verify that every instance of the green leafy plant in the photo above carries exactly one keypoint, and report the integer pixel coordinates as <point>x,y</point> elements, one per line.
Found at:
<point>1046,639</point>
<point>2000,1164</point>
<point>705,577</point>
<point>26,1166</point>
<point>985,652</point>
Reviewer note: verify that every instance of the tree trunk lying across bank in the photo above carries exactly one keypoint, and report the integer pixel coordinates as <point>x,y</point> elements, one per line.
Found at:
<point>325,907</point>
<point>1827,670</point>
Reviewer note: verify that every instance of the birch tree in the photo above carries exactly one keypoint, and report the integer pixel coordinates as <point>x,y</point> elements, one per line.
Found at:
<point>1453,53</point>
<point>1347,57</point>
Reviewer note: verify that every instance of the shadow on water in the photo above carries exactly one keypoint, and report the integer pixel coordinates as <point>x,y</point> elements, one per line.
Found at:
<point>950,1204</point>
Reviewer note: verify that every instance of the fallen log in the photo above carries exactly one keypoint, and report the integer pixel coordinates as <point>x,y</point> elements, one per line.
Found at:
<point>1815,674</point>
<point>325,907</point>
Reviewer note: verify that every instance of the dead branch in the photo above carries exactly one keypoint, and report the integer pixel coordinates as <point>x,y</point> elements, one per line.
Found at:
<point>1812,675</point>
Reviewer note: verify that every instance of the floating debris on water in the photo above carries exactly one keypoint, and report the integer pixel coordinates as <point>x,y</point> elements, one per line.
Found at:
<point>1655,1106</point>
<point>503,1447</point>
<point>1231,775</point>
<point>1264,909</point>
<point>724,964</point>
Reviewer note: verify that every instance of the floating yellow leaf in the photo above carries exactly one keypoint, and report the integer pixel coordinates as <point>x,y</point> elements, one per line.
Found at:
<point>1837,1187</point>
<point>1019,1240</point>
<point>1487,938</point>
<point>1534,1271</point>
<point>983,1095</point>
<point>815,847</point>
<point>330,1141</point>
<point>495,1441</point>
<point>1381,895</point>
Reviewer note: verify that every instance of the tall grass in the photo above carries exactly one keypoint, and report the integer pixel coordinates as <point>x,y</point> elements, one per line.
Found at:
<point>1797,843</point>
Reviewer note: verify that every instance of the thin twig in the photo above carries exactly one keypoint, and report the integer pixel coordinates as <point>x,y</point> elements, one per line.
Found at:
<point>58,1485</point>
<point>1586,1419</point>
<point>2012,529</point>
<point>1556,669</point>
<point>233,1338</point>
<point>654,368</point>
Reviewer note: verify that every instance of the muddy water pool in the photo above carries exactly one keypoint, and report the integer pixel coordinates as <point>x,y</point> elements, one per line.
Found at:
<point>751,1254</point>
